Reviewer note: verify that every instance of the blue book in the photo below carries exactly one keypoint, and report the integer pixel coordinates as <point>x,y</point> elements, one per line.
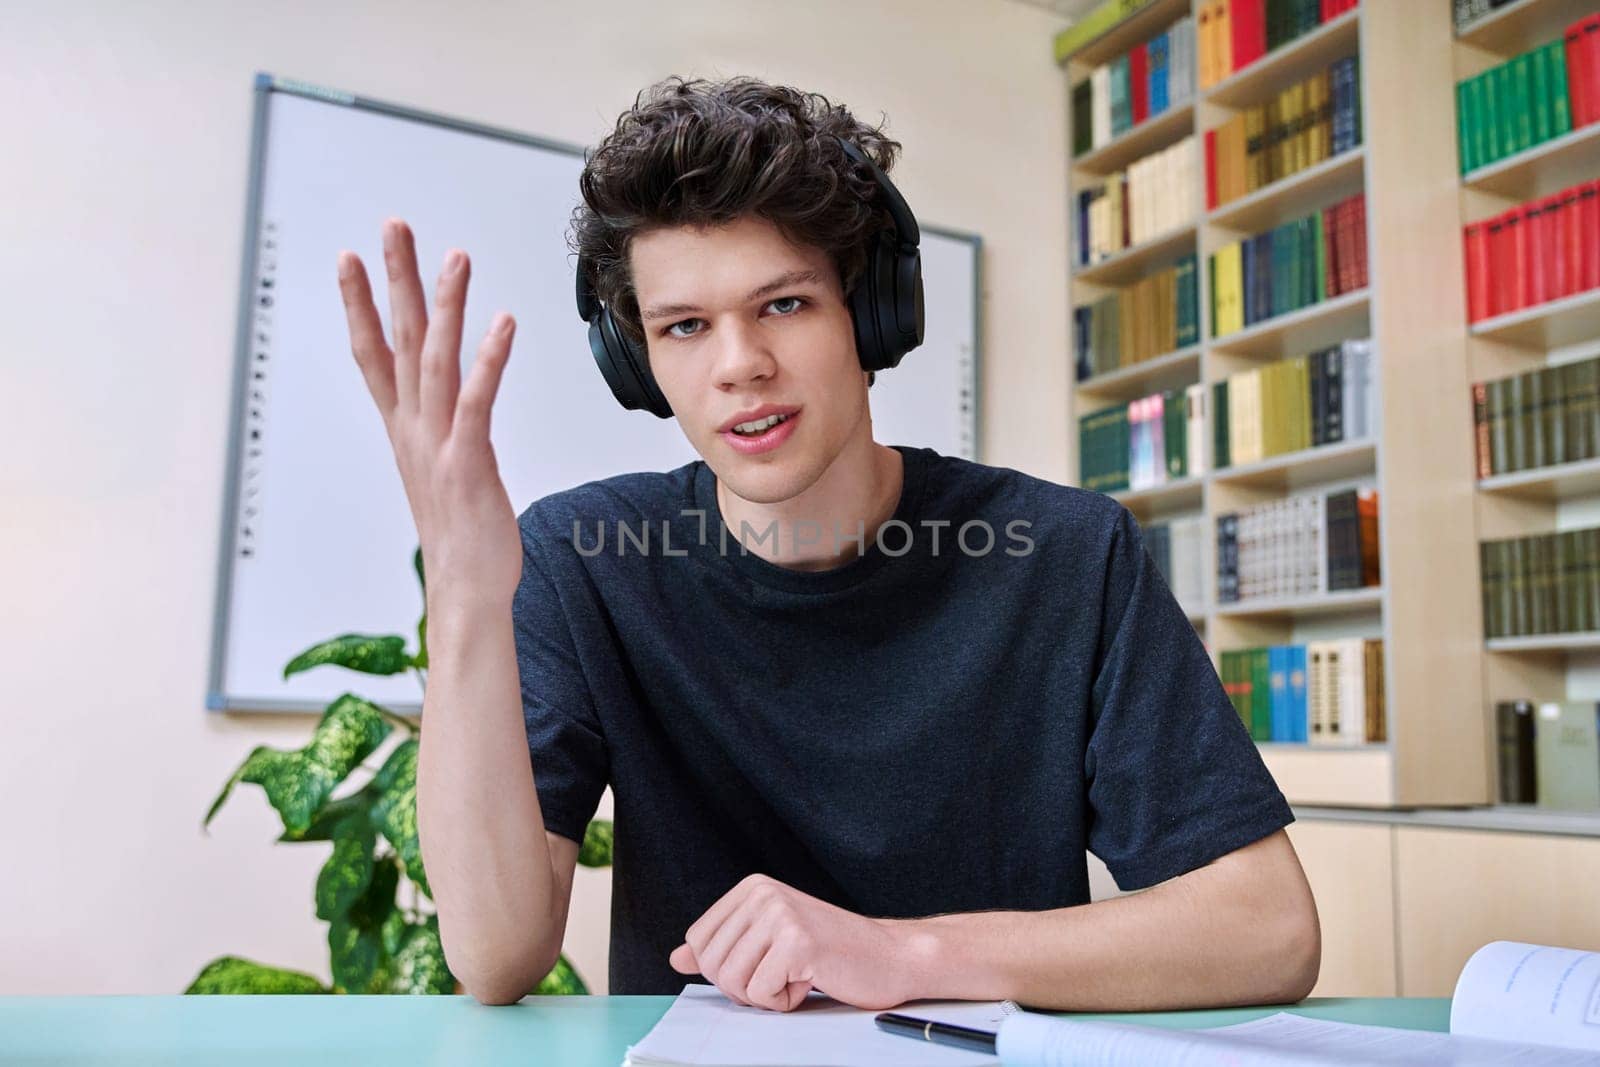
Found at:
<point>1278,677</point>
<point>1297,691</point>
<point>1158,53</point>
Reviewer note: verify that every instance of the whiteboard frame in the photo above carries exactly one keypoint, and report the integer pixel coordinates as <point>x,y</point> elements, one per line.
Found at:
<point>264,85</point>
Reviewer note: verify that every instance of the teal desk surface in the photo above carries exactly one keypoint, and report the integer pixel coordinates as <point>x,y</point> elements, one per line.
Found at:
<point>306,1031</point>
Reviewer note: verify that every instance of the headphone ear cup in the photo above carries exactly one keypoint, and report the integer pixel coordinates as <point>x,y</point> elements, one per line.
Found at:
<point>624,369</point>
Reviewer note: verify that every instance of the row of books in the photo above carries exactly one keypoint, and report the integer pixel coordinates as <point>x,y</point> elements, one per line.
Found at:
<point>1159,313</point>
<point>1302,545</point>
<point>1155,195</point>
<point>1514,105</point>
<point>1541,583</point>
<point>1320,398</point>
<point>1549,753</point>
<point>1298,128</point>
<point>1539,418</point>
<point>1233,34</point>
<point>1319,693</point>
<point>1178,547</point>
<point>1145,443</point>
<point>1289,267</point>
<point>1541,250</point>
<point>1151,78</point>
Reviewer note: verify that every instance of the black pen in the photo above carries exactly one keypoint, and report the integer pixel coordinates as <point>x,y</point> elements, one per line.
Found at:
<point>939,1033</point>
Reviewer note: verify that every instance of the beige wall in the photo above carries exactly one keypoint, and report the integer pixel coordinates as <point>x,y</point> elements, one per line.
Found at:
<point>125,132</point>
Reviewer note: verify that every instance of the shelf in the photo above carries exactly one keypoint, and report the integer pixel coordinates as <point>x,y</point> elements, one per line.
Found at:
<point>1292,197</point>
<point>1554,324</point>
<point>1545,168</point>
<point>1559,482</point>
<point>1289,63</point>
<point>1312,466</point>
<point>1182,495</point>
<point>1519,26</point>
<point>1568,642</point>
<point>1140,26</point>
<point>1133,263</point>
<point>1324,322</point>
<point>1328,774</point>
<point>1511,818</point>
<point>1342,602</point>
<point>1151,135</point>
<point>1141,379</point>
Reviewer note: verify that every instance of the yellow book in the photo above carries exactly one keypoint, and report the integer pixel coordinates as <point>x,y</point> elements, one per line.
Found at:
<point>1206,42</point>
<point>1222,28</point>
<point>1245,398</point>
<point>1300,402</point>
<point>1253,171</point>
<point>1302,129</point>
<point>1320,140</point>
<point>1231,281</point>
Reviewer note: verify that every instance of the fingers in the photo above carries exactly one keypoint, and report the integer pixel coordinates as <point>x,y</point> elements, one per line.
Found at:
<point>483,381</point>
<point>769,985</point>
<point>407,312</point>
<point>440,376</point>
<point>371,352</point>
<point>732,942</point>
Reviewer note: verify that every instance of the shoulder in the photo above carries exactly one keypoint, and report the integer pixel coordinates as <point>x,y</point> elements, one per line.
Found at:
<point>957,486</point>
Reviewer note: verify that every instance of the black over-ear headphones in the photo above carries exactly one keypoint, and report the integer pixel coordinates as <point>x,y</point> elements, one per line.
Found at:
<point>885,306</point>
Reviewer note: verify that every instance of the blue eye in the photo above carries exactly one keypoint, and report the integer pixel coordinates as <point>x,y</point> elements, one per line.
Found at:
<point>672,331</point>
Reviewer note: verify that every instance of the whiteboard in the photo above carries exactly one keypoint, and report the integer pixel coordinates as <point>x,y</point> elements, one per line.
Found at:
<point>317,538</point>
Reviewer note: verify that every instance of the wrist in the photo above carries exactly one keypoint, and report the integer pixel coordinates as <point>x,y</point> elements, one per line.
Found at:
<point>919,958</point>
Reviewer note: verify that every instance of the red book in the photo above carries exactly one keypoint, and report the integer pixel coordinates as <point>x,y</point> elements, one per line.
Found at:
<point>1347,247</point>
<point>1589,232</point>
<point>1359,250</point>
<point>1211,170</point>
<point>1551,213</point>
<point>1532,228</point>
<point>1476,253</point>
<point>1247,21</point>
<point>1499,302</point>
<point>1577,98</point>
<point>1515,266</point>
<point>1139,82</point>
<point>1571,241</point>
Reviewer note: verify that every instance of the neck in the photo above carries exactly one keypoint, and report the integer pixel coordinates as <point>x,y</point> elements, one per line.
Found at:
<point>817,530</point>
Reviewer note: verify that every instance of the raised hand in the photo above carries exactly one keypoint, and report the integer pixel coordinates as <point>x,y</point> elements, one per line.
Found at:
<point>438,425</point>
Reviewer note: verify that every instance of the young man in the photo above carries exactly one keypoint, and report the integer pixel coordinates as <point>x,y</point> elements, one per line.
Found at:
<point>867,762</point>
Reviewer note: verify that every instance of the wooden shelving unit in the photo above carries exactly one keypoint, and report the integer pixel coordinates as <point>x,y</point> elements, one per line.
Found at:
<point>1418,457</point>
<point>1526,502</point>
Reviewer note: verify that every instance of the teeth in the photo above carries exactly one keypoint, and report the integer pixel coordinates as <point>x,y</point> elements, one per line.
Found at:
<point>760,424</point>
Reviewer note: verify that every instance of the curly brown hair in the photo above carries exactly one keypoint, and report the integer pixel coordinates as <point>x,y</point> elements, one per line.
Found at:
<point>697,152</point>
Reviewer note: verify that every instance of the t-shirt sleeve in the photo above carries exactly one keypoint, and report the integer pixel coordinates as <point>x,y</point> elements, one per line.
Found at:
<point>565,741</point>
<point>1174,779</point>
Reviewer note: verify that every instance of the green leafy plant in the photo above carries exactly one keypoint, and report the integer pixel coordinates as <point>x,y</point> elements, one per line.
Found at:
<point>377,943</point>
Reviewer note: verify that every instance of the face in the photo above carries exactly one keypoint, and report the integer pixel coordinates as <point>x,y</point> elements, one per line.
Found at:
<point>736,319</point>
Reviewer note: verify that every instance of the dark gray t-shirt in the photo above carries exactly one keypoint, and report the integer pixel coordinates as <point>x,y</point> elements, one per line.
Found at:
<point>929,728</point>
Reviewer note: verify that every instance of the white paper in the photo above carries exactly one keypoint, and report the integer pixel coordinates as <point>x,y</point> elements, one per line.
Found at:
<point>1520,992</point>
<point>706,1029</point>
<point>1033,1040</point>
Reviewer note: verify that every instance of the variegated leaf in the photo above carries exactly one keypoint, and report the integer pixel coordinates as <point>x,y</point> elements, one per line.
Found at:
<point>562,981</point>
<point>596,850</point>
<point>355,939</point>
<point>348,871</point>
<point>419,966</point>
<point>331,814</point>
<point>231,974</point>
<point>359,652</point>
<point>395,813</point>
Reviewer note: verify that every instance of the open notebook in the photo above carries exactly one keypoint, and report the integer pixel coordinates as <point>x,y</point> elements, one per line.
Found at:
<point>1514,1003</point>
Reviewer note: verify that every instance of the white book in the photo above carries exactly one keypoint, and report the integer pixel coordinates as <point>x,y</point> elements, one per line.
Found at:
<point>1352,697</point>
<point>1100,109</point>
<point>1318,727</point>
<point>1195,401</point>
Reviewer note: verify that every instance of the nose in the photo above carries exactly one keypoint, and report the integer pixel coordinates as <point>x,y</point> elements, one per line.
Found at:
<point>743,354</point>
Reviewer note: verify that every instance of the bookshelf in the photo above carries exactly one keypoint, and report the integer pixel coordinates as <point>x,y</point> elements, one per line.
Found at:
<point>1556,497</point>
<point>1437,748</point>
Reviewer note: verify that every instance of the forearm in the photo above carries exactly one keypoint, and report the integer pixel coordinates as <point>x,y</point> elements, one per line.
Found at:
<point>478,817</point>
<point>1192,942</point>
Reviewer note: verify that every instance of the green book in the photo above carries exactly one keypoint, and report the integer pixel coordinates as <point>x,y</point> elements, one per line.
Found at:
<point>1320,254</point>
<point>1175,433</point>
<point>1121,442</point>
<point>1539,89</point>
<point>1220,456</point>
<point>1477,113</point>
<point>1183,280</point>
<point>1567,754</point>
<point>1463,128</point>
<point>1522,92</point>
<point>1211,290</point>
<point>1260,695</point>
<point>1556,63</point>
<point>1489,87</point>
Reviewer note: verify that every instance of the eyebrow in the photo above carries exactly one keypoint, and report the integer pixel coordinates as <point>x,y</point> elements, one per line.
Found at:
<point>782,281</point>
